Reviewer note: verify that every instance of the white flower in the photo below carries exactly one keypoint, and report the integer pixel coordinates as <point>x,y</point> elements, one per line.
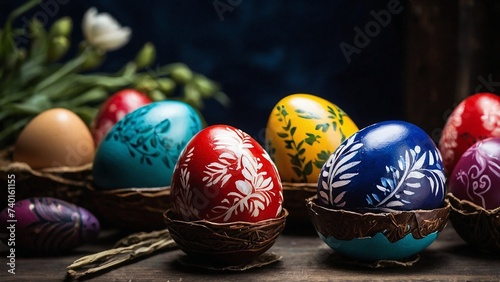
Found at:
<point>103,31</point>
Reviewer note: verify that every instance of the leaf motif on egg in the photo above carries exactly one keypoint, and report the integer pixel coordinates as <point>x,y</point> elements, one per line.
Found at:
<point>141,138</point>
<point>399,181</point>
<point>253,193</point>
<point>51,225</point>
<point>335,168</point>
<point>184,201</point>
<point>300,165</point>
<point>406,177</point>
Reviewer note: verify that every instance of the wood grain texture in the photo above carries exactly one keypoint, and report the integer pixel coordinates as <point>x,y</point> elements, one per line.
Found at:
<point>305,258</point>
<point>431,63</point>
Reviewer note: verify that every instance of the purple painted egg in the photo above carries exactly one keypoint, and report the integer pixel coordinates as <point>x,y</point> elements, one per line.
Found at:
<point>385,167</point>
<point>46,225</point>
<point>476,177</point>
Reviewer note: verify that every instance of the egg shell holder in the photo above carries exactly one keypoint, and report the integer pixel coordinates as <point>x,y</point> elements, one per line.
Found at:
<point>294,195</point>
<point>377,239</point>
<point>64,182</point>
<point>226,246</point>
<point>130,208</point>
<point>479,227</point>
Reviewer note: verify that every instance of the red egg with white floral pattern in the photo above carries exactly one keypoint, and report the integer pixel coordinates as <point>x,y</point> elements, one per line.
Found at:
<point>477,117</point>
<point>223,175</point>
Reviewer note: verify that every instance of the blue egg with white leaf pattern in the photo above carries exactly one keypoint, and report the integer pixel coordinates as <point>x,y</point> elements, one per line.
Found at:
<point>141,149</point>
<point>385,167</point>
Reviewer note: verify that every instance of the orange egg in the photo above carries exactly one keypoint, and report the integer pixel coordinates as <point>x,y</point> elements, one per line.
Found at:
<point>54,138</point>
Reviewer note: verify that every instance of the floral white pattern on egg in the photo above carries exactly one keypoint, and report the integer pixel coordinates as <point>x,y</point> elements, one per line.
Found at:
<point>238,180</point>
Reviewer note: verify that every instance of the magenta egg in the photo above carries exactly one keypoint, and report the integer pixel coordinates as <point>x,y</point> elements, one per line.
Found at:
<point>46,226</point>
<point>476,177</point>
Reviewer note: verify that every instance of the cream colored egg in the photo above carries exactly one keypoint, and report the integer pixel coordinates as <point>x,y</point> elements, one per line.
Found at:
<point>54,138</point>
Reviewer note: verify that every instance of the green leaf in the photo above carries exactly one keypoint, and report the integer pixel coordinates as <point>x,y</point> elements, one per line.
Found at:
<point>322,126</point>
<point>292,131</point>
<point>97,94</point>
<point>300,145</point>
<point>288,144</point>
<point>301,151</point>
<point>297,171</point>
<point>319,164</point>
<point>7,45</point>
<point>343,137</point>
<point>288,125</point>
<point>294,160</point>
<point>311,138</point>
<point>323,155</point>
<point>332,111</point>
<point>284,112</point>
<point>308,168</point>
<point>282,134</point>
<point>334,125</point>
<point>27,109</point>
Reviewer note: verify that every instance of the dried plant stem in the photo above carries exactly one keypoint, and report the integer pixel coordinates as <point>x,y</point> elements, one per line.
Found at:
<point>133,247</point>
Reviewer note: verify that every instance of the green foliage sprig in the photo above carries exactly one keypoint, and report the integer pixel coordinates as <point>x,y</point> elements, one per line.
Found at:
<point>33,78</point>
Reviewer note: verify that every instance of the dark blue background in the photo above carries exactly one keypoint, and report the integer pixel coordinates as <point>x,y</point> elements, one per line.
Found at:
<point>262,51</point>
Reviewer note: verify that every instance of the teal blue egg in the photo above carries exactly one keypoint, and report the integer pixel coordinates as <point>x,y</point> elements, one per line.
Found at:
<point>378,247</point>
<point>141,150</point>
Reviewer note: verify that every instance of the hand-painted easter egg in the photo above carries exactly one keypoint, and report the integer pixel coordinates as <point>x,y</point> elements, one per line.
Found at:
<point>387,166</point>
<point>114,109</point>
<point>303,130</point>
<point>142,148</point>
<point>224,175</point>
<point>54,138</point>
<point>477,174</point>
<point>47,225</point>
<point>477,117</point>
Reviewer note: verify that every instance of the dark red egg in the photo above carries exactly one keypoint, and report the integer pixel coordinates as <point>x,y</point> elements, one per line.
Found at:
<point>114,109</point>
<point>477,117</point>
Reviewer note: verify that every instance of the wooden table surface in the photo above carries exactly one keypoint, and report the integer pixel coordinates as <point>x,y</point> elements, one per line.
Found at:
<point>304,258</point>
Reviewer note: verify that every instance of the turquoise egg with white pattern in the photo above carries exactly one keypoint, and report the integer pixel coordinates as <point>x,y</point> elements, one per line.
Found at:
<point>141,149</point>
<point>385,167</point>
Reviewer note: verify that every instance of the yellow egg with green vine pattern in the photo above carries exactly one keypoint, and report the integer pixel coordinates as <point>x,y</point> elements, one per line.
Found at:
<point>302,132</point>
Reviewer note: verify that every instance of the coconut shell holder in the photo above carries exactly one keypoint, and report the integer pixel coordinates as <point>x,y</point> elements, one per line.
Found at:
<point>294,195</point>
<point>130,208</point>
<point>234,246</point>
<point>65,182</point>
<point>477,226</point>
<point>348,225</point>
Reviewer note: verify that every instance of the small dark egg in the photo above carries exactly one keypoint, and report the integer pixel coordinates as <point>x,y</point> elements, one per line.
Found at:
<point>47,226</point>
